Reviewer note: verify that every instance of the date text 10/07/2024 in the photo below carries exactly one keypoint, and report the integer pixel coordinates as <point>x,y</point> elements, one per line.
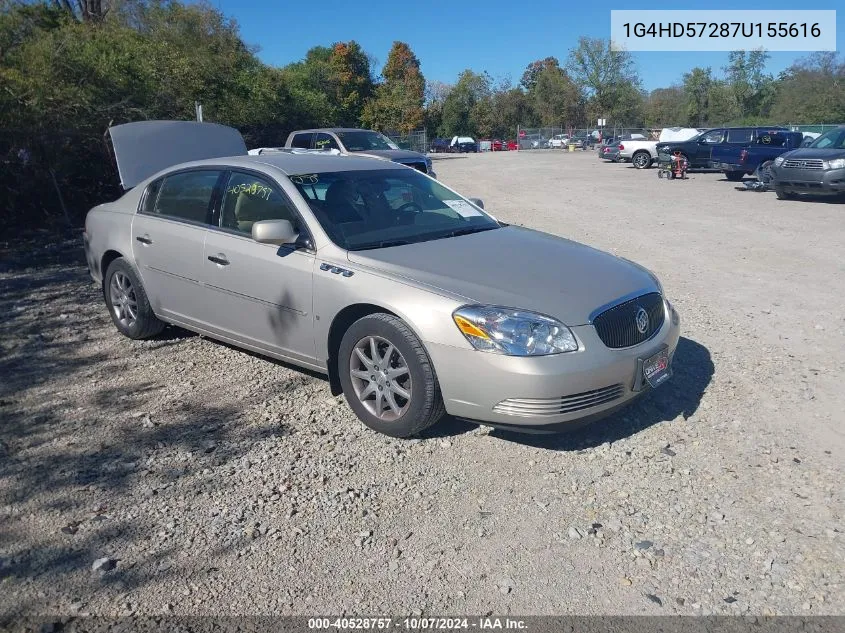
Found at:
<point>419,623</point>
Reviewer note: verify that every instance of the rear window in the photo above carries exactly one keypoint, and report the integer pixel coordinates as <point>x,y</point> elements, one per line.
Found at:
<point>772,139</point>
<point>302,141</point>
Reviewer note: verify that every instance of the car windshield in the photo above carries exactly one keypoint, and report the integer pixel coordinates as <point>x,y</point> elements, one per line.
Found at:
<point>364,140</point>
<point>835,139</point>
<point>388,207</point>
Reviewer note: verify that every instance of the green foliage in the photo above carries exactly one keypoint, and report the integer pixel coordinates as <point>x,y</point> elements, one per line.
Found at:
<point>70,68</point>
<point>398,102</point>
<point>812,91</point>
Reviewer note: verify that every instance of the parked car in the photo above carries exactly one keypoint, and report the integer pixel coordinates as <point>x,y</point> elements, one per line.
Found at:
<point>609,152</point>
<point>737,160</point>
<point>640,152</point>
<point>818,169</point>
<point>463,144</point>
<point>497,145</point>
<point>558,140</point>
<point>376,275</point>
<point>439,145</point>
<point>361,142</point>
<point>699,149</point>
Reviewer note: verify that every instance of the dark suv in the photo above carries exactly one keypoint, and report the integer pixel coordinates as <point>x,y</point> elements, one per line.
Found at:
<point>818,169</point>
<point>698,149</point>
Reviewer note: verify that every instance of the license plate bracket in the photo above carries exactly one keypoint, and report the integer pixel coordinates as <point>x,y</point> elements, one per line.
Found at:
<point>657,369</point>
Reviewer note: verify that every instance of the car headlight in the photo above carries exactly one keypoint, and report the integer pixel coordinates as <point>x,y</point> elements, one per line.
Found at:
<point>836,163</point>
<point>779,161</point>
<point>513,332</point>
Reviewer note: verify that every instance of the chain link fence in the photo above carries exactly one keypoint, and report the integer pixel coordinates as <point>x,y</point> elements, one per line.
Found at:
<point>416,141</point>
<point>569,138</point>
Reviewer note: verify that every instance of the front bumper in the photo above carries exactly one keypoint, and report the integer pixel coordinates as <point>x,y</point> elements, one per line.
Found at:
<point>817,181</point>
<point>560,390</point>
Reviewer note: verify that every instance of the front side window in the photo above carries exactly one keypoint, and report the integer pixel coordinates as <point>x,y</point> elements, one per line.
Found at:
<point>740,136</point>
<point>248,199</point>
<point>387,207</point>
<point>835,139</point>
<point>712,137</point>
<point>364,140</point>
<point>184,196</point>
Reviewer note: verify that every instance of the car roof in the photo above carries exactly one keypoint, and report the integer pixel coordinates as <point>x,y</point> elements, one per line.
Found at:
<point>295,163</point>
<point>333,129</point>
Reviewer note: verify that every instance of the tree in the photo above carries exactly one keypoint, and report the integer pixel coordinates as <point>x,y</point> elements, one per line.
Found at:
<point>812,90</point>
<point>435,96</point>
<point>666,107</point>
<point>85,10</point>
<point>556,99</point>
<point>460,115</point>
<point>697,86</point>
<point>752,88</point>
<point>529,77</point>
<point>609,79</point>
<point>399,99</point>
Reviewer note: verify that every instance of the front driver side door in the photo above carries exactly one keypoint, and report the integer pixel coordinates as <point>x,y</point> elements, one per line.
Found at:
<point>261,293</point>
<point>705,147</point>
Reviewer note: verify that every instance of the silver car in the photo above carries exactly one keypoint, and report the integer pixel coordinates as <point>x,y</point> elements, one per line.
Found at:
<point>410,297</point>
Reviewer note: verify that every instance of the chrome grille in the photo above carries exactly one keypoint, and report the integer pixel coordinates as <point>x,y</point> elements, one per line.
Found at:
<point>617,326</point>
<point>544,407</point>
<point>804,163</point>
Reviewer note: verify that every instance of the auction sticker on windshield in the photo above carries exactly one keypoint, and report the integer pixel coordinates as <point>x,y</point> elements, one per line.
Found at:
<point>462,208</point>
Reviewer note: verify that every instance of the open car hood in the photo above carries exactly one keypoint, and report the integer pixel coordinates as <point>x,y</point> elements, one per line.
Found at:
<point>144,148</point>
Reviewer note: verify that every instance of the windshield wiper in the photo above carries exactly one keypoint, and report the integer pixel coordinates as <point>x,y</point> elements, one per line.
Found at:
<point>471,229</point>
<point>384,244</point>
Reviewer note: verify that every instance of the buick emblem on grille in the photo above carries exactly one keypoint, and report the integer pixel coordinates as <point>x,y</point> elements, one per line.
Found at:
<point>642,321</point>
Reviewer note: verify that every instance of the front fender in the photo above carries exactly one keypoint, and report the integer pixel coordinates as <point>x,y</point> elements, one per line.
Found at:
<point>427,313</point>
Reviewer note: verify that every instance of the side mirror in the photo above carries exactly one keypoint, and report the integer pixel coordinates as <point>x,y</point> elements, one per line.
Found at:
<point>477,202</point>
<point>276,232</point>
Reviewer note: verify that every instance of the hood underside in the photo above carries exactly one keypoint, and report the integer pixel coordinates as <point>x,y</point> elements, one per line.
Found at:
<point>145,148</point>
<point>518,268</point>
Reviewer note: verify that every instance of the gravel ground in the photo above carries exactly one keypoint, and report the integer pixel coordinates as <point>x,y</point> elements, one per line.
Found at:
<point>182,476</point>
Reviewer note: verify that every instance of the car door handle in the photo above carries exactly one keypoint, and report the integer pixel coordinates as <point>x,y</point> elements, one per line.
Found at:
<point>144,239</point>
<point>219,259</point>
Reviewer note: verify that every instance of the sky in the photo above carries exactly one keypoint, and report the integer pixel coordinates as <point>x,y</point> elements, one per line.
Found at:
<point>497,36</point>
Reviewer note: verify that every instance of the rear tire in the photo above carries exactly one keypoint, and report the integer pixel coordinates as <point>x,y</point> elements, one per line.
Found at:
<point>127,302</point>
<point>408,401</point>
<point>641,160</point>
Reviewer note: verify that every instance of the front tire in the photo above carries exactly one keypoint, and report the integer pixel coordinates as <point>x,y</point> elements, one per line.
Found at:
<point>127,302</point>
<point>734,176</point>
<point>387,377</point>
<point>783,194</point>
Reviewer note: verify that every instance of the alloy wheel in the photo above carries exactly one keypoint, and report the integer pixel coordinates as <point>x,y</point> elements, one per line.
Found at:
<point>380,377</point>
<point>123,300</point>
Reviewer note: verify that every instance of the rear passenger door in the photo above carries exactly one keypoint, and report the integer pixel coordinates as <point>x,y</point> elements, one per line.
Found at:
<point>168,237</point>
<point>325,141</point>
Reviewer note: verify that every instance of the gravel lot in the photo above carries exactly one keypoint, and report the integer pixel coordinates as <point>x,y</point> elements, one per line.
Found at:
<point>219,482</point>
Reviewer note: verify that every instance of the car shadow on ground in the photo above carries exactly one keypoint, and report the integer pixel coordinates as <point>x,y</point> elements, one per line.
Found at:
<point>680,397</point>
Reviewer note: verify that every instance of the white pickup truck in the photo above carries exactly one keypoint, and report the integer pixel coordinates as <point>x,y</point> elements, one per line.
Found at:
<point>643,153</point>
